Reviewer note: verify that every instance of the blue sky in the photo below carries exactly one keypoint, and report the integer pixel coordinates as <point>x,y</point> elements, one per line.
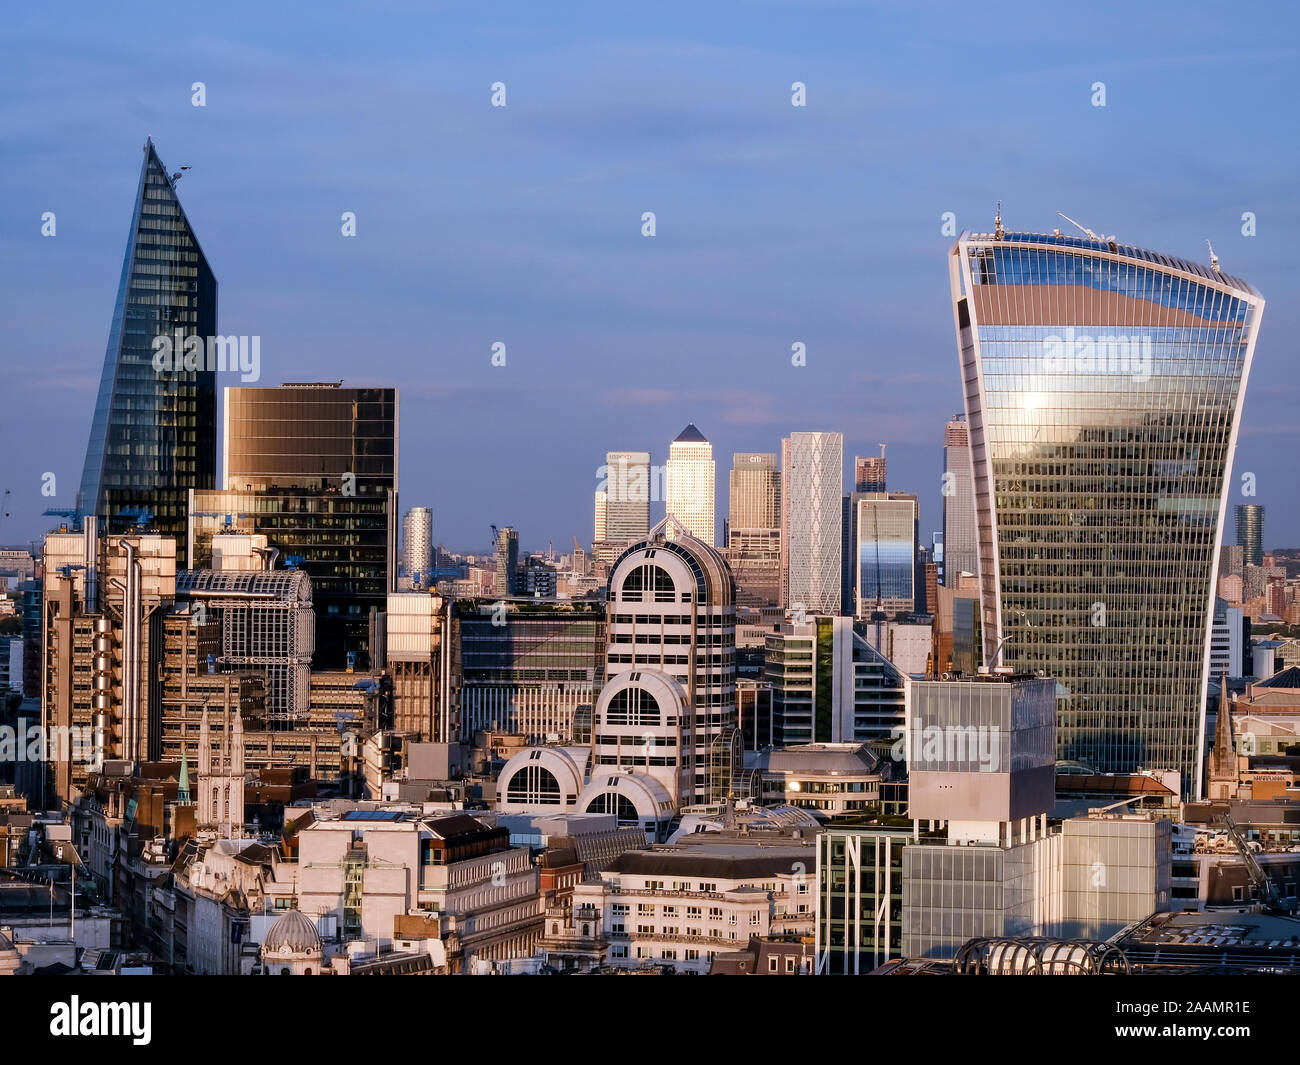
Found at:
<point>522,224</point>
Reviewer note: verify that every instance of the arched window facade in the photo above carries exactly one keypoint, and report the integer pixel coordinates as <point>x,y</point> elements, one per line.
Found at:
<point>632,706</point>
<point>534,784</point>
<point>648,584</point>
<point>610,802</point>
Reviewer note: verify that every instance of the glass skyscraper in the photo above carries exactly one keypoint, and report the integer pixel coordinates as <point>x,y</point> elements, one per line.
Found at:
<point>812,488</point>
<point>153,436</point>
<point>314,467</point>
<point>1250,533</point>
<point>886,553</point>
<point>1103,388</point>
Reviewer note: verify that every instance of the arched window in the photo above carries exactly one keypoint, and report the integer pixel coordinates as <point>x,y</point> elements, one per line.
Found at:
<point>632,706</point>
<point>536,785</point>
<point>586,929</point>
<point>285,971</point>
<point>648,583</point>
<point>610,802</point>
<point>555,928</point>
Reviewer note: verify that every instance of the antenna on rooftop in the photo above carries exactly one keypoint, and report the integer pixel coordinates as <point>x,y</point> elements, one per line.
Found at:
<point>998,231</point>
<point>1214,259</point>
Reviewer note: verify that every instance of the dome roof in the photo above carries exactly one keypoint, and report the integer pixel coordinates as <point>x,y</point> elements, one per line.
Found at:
<point>294,930</point>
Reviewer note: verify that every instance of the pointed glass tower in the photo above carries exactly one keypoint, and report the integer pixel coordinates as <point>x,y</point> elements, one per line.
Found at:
<point>154,432</point>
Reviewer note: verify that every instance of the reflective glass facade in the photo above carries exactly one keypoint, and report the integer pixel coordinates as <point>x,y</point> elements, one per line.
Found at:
<point>886,555</point>
<point>1103,390</point>
<point>315,468</point>
<point>153,436</point>
<point>531,673</point>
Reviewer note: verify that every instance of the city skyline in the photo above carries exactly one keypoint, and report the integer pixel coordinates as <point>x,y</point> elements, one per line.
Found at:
<point>510,579</point>
<point>878,360</point>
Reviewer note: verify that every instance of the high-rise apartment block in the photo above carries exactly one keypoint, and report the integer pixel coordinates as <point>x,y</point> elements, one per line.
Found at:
<point>507,572</point>
<point>869,472</point>
<point>417,547</point>
<point>1250,533</point>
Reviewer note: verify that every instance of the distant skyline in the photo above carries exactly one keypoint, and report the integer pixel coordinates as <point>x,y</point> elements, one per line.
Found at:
<point>775,225</point>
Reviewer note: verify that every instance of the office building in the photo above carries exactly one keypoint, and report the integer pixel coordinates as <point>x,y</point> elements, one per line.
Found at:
<point>690,484</point>
<point>754,529</point>
<point>981,756</point>
<point>755,491</point>
<point>314,468</point>
<point>886,554</point>
<point>527,668</point>
<point>453,882</point>
<point>1229,638</point>
<point>812,483</point>
<point>627,489</point>
<point>1103,393</point>
<point>859,899</point>
<point>829,685</point>
<point>663,733</point>
<point>670,669</point>
<point>960,544</point>
<point>1250,533</point>
<point>417,666</point>
<point>153,434</point>
<point>704,895</point>
<point>602,518</point>
<point>104,600</point>
<point>417,547</point>
<point>266,625</point>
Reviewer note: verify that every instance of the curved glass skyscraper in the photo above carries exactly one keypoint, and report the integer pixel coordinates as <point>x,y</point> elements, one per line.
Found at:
<point>1103,390</point>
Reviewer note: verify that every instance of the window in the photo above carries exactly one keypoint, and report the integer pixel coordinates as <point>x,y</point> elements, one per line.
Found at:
<point>632,706</point>
<point>753,918</point>
<point>772,964</point>
<point>789,963</point>
<point>648,583</point>
<point>692,955</point>
<point>534,784</point>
